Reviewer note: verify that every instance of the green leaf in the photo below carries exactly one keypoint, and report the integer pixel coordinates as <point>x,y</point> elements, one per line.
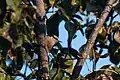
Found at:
<point>105,66</point>
<point>112,48</point>
<point>59,76</point>
<point>89,29</point>
<point>53,24</point>
<point>70,51</point>
<point>117,69</point>
<point>115,58</point>
<point>66,78</point>
<point>73,10</point>
<point>56,74</point>
<point>67,8</point>
<point>31,76</point>
<point>60,62</point>
<point>77,16</point>
<point>4,43</point>
<point>102,34</point>
<point>2,76</point>
<point>28,49</point>
<point>15,6</point>
<point>34,63</point>
<point>65,15</point>
<point>92,53</point>
<point>105,55</point>
<point>51,2</point>
<point>117,37</point>
<point>54,52</point>
<point>3,64</point>
<point>65,5</point>
<point>70,63</point>
<point>82,5</point>
<point>2,11</point>
<point>117,8</point>
<point>2,70</point>
<point>74,36</point>
<point>82,48</point>
<point>116,25</point>
<point>114,53</point>
<point>10,69</point>
<point>72,29</point>
<point>4,46</point>
<point>78,26</point>
<point>13,33</point>
<point>95,6</point>
<point>102,45</point>
<point>80,78</point>
<point>19,58</point>
<point>52,72</point>
<point>25,32</point>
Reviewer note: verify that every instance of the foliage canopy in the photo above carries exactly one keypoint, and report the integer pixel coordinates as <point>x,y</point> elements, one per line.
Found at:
<point>18,43</point>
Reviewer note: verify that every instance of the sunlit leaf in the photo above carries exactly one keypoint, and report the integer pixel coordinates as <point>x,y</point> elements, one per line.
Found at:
<point>116,25</point>
<point>2,70</point>
<point>117,69</point>
<point>117,37</point>
<point>102,34</point>
<point>51,2</point>
<point>56,74</point>
<point>14,5</point>
<point>4,77</point>
<point>59,76</point>
<point>71,67</point>
<point>92,53</point>
<point>66,78</point>
<point>53,71</point>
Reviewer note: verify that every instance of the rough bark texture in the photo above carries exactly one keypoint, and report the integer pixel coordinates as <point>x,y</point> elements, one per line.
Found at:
<point>90,42</point>
<point>43,69</point>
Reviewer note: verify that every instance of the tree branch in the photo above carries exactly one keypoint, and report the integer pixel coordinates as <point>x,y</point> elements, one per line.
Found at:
<point>40,30</point>
<point>90,42</point>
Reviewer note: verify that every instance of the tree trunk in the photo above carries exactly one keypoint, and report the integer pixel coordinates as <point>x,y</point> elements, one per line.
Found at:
<point>90,42</point>
<point>43,67</point>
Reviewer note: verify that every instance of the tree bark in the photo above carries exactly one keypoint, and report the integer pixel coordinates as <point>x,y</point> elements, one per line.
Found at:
<point>43,67</point>
<point>90,42</point>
